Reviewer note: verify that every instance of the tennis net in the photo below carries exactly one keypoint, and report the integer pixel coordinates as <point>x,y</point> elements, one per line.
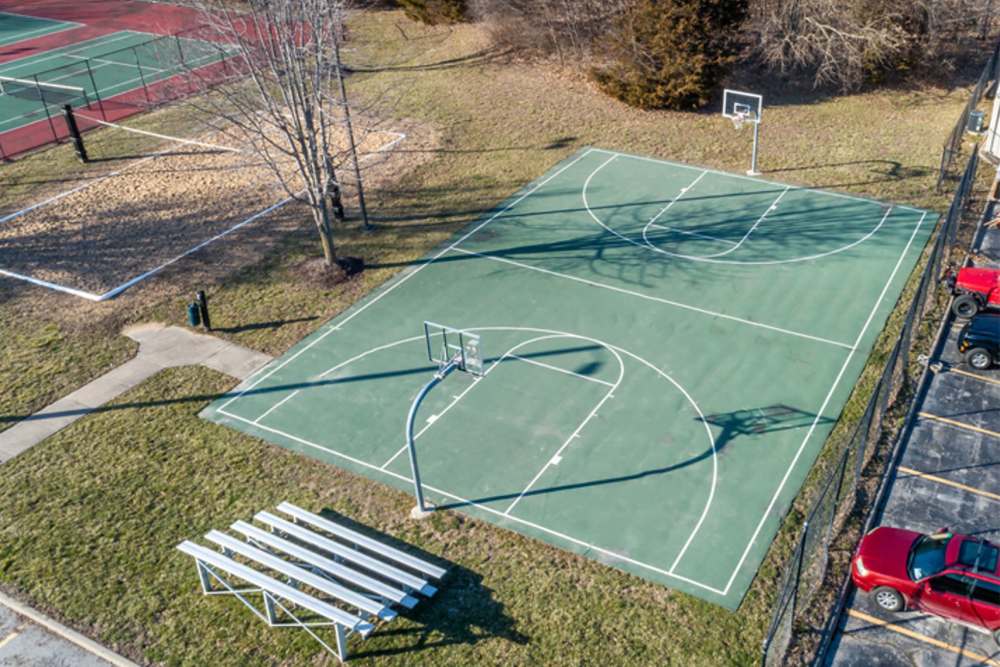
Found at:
<point>41,91</point>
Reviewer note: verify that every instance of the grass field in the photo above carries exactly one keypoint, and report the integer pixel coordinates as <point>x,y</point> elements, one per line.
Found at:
<point>186,475</point>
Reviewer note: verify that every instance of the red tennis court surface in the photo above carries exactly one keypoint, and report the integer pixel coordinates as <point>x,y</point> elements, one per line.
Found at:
<point>96,18</point>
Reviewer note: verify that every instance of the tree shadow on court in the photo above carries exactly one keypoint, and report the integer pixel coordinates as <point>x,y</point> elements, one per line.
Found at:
<point>424,371</point>
<point>732,425</point>
<point>463,611</point>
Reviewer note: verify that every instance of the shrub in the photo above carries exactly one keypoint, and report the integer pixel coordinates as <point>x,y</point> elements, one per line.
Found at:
<point>670,54</point>
<point>434,11</point>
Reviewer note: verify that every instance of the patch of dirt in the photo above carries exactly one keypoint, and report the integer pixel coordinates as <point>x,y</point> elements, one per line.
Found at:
<point>119,226</point>
<point>316,272</point>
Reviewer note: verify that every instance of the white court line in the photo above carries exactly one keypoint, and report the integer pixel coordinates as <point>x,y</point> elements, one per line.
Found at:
<point>689,233</point>
<point>24,36</point>
<point>822,409</point>
<point>676,304</point>
<point>115,291</point>
<point>64,50</point>
<point>496,362</point>
<point>750,231</point>
<point>135,65</point>
<point>465,501</point>
<point>666,208</point>
<point>829,193</point>
<point>561,370</point>
<point>276,406</point>
<point>707,259</point>
<point>404,277</point>
<point>695,407</point>
<point>559,452</point>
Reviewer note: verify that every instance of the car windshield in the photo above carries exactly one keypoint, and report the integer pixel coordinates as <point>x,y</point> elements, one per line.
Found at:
<point>980,555</point>
<point>927,556</point>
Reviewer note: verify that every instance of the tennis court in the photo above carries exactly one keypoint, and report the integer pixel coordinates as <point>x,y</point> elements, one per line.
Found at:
<point>19,27</point>
<point>89,72</point>
<point>667,348</point>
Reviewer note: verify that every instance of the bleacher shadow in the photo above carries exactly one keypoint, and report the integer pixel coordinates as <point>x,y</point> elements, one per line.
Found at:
<point>463,611</point>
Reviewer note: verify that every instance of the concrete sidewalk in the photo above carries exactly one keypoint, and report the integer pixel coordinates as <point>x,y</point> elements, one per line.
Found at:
<point>160,347</point>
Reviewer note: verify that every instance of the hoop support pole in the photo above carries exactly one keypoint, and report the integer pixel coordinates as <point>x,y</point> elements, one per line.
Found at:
<point>418,489</point>
<point>753,156</point>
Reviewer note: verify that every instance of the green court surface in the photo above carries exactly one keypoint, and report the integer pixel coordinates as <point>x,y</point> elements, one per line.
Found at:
<point>667,348</point>
<point>18,27</point>
<point>103,67</point>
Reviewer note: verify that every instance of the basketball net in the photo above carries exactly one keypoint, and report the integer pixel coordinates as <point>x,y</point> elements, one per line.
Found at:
<point>739,119</point>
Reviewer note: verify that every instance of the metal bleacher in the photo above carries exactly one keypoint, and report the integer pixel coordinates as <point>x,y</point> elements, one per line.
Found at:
<point>311,573</point>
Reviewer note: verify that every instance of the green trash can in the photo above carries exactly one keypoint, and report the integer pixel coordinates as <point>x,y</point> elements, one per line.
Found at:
<point>194,314</point>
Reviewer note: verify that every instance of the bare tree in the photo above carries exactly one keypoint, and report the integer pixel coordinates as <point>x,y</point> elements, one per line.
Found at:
<point>285,97</point>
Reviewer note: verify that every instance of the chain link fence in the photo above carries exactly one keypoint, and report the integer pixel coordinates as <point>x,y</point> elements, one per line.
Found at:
<point>984,86</point>
<point>114,84</point>
<point>838,491</point>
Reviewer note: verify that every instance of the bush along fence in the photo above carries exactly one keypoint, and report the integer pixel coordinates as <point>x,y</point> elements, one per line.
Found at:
<point>839,492</point>
<point>953,145</point>
<point>114,84</point>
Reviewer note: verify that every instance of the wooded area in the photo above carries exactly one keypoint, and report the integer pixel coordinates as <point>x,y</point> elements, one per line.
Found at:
<point>673,53</point>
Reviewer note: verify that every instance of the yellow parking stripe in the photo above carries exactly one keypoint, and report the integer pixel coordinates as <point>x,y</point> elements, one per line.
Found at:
<point>977,376</point>
<point>958,424</point>
<point>9,638</point>
<point>971,655</point>
<point>948,482</point>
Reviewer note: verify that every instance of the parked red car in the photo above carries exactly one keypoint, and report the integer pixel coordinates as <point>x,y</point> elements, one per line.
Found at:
<point>944,574</point>
<point>975,289</point>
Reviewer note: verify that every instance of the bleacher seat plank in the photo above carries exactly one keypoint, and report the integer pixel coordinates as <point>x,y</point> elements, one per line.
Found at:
<point>302,575</point>
<point>354,536</point>
<point>334,568</point>
<point>381,568</point>
<point>276,588</point>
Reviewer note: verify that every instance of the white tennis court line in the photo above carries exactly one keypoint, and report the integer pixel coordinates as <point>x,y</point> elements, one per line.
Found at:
<point>45,30</point>
<point>111,90</point>
<point>826,402</point>
<point>557,457</point>
<point>133,65</point>
<point>465,501</point>
<point>648,297</point>
<point>560,370</point>
<point>68,49</point>
<point>406,275</point>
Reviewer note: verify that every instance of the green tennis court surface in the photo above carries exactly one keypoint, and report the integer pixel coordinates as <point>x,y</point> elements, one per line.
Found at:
<point>18,27</point>
<point>103,67</point>
<point>667,349</point>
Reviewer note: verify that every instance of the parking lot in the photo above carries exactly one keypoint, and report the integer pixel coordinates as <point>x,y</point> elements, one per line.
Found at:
<point>948,476</point>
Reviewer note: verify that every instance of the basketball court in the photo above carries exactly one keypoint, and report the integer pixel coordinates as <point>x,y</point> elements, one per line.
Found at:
<point>665,349</point>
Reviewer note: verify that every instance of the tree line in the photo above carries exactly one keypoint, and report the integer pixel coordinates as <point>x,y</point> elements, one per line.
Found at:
<point>671,54</point>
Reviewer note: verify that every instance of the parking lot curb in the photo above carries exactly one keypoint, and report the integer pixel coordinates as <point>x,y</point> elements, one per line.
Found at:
<point>68,634</point>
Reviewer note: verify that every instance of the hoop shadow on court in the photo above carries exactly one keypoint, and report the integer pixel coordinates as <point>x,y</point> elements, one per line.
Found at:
<point>745,423</point>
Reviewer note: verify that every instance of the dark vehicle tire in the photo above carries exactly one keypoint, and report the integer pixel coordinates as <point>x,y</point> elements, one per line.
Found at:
<point>888,598</point>
<point>965,306</point>
<point>979,358</point>
<point>996,636</point>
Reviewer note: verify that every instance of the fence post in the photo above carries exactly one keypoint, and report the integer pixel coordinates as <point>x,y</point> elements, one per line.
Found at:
<point>142,78</point>
<point>97,92</point>
<point>798,569</point>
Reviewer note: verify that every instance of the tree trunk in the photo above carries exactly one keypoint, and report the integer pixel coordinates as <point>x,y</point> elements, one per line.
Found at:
<point>321,215</point>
